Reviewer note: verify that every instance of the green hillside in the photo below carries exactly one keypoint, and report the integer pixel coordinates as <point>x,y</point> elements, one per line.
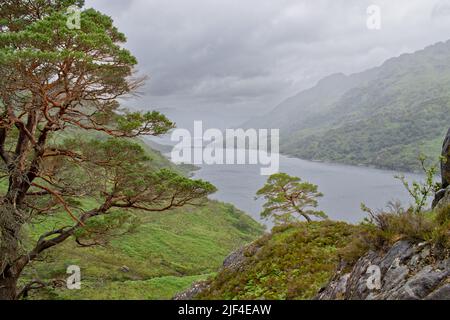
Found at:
<point>157,256</point>
<point>293,262</point>
<point>166,253</point>
<point>384,117</point>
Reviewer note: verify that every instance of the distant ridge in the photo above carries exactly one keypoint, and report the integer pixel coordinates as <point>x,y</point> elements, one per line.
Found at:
<point>384,117</point>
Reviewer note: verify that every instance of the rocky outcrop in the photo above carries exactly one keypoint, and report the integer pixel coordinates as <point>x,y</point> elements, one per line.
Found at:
<point>405,272</point>
<point>445,164</point>
<point>442,199</point>
<point>443,196</point>
<point>192,292</point>
<point>233,261</point>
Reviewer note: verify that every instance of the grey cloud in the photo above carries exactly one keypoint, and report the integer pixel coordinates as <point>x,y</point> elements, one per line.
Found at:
<point>441,9</point>
<point>257,52</point>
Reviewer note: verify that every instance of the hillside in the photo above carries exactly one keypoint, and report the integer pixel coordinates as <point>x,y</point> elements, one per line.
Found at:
<point>293,262</point>
<point>162,253</point>
<point>383,117</point>
<point>165,254</point>
<point>330,260</point>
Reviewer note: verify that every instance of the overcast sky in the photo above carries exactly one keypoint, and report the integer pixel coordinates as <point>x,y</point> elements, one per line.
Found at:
<point>247,55</point>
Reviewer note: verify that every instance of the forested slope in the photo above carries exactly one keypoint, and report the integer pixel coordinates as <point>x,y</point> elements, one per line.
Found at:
<point>383,117</point>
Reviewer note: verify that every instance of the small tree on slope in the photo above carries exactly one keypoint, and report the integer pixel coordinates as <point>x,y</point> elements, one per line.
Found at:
<point>288,198</point>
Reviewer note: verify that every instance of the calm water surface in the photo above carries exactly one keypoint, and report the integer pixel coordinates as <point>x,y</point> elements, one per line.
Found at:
<point>344,187</point>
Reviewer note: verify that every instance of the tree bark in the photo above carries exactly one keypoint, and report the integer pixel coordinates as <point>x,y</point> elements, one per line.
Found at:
<point>8,286</point>
<point>308,219</point>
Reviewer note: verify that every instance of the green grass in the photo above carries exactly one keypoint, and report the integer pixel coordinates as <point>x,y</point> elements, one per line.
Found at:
<point>161,288</point>
<point>166,253</point>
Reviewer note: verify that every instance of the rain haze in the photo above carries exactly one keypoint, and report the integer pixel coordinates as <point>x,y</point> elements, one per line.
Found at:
<point>244,150</point>
<point>224,61</point>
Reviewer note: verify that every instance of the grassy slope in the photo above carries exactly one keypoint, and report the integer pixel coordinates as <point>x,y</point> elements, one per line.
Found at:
<point>166,253</point>
<point>293,262</point>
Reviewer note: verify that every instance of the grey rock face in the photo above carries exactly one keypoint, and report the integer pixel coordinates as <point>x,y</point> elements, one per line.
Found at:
<point>406,272</point>
<point>233,261</point>
<point>424,282</point>
<point>443,196</point>
<point>395,276</point>
<point>442,293</point>
<point>445,165</point>
<point>193,291</point>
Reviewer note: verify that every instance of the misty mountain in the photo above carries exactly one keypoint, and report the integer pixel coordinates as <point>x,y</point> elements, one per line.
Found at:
<point>383,117</point>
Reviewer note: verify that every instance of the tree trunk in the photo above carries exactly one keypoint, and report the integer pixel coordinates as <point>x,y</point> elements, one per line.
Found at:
<point>306,217</point>
<point>8,287</point>
<point>10,225</point>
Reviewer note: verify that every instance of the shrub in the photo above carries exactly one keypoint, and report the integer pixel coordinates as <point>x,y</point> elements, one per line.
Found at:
<point>398,223</point>
<point>383,228</point>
